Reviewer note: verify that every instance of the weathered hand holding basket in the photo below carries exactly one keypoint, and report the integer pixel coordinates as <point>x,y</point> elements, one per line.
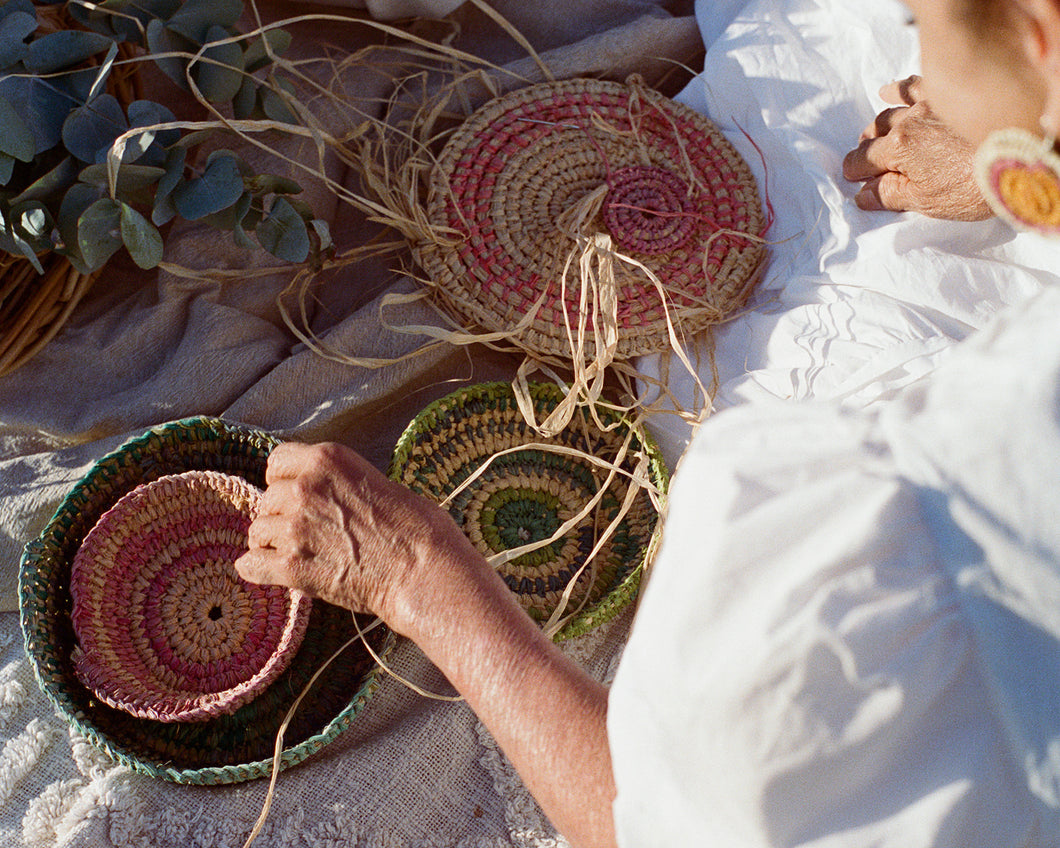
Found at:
<point>529,486</point>
<point>535,170</point>
<point>222,747</point>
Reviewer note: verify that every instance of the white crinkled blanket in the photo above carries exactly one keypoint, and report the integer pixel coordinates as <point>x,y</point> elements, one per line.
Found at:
<point>854,305</point>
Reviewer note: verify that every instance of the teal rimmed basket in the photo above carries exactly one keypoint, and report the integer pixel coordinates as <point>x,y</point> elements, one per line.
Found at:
<point>525,495</point>
<point>229,748</point>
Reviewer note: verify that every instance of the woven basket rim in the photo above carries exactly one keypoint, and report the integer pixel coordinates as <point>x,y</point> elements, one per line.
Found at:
<point>35,609</point>
<point>607,607</point>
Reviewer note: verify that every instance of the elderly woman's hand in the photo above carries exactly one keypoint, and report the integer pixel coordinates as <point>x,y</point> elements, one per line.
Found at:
<point>910,161</point>
<point>331,525</point>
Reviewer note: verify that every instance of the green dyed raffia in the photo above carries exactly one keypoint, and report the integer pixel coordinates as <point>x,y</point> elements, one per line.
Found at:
<point>454,436</point>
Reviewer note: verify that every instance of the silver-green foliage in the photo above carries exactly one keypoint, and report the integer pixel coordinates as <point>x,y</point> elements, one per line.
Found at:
<point>59,124</point>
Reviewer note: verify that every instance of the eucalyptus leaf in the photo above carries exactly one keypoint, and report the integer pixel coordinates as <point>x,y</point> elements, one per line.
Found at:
<point>245,99</point>
<point>12,6</point>
<point>230,217</point>
<point>283,233</point>
<point>219,186</point>
<point>195,17</point>
<point>17,139</point>
<point>126,17</point>
<point>99,232</point>
<point>90,130</point>
<point>42,104</point>
<point>241,163</point>
<point>33,222</point>
<point>22,235</point>
<point>275,107</point>
<point>64,49</point>
<point>162,41</point>
<point>52,183</point>
<point>301,207</point>
<point>140,238</point>
<point>323,231</point>
<point>149,148</point>
<point>246,219</point>
<point>102,73</point>
<point>15,28</point>
<point>219,73</point>
<point>24,248</point>
<point>76,200</point>
<point>164,210</point>
<point>175,159</point>
<point>257,57</point>
<point>146,113</point>
<point>7,168</point>
<point>132,179</point>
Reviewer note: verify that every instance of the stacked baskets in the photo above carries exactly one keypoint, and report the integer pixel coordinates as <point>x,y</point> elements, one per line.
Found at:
<point>145,641</point>
<point>151,723</point>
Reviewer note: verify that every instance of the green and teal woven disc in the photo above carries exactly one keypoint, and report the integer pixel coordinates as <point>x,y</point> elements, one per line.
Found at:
<point>526,495</point>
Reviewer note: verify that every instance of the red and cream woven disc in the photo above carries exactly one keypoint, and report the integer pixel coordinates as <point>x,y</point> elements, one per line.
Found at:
<point>679,200</point>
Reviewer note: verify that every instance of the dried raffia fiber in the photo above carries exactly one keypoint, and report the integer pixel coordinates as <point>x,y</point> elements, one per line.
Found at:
<point>625,221</point>
<point>225,748</point>
<point>583,222</point>
<point>570,521</point>
<point>166,628</point>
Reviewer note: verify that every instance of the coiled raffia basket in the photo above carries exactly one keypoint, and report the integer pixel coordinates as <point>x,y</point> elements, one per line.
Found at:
<point>530,182</point>
<point>33,306</point>
<point>521,492</point>
<point>227,747</point>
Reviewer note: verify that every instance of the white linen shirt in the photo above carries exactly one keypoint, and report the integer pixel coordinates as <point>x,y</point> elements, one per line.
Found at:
<point>851,636</point>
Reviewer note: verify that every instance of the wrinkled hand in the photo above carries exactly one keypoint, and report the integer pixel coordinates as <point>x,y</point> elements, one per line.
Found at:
<point>910,161</point>
<point>331,525</point>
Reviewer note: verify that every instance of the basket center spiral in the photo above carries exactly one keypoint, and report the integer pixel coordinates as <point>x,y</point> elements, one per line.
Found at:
<point>648,210</point>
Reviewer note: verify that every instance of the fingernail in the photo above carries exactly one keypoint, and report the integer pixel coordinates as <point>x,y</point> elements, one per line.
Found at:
<point>866,200</point>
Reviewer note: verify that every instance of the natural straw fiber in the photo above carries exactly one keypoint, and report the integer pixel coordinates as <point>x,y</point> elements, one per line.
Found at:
<point>533,179</point>
<point>532,486</point>
<point>166,628</point>
<point>225,748</point>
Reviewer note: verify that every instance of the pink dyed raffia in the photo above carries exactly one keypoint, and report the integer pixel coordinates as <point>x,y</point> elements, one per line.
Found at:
<point>167,630</point>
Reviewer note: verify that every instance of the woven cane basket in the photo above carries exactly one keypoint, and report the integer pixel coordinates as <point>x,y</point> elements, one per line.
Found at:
<point>34,307</point>
<point>673,195</point>
<point>524,496</point>
<point>224,748</point>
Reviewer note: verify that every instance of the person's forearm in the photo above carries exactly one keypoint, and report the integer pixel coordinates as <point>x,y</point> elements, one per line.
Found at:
<point>545,712</point>
<point>331,525</point>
